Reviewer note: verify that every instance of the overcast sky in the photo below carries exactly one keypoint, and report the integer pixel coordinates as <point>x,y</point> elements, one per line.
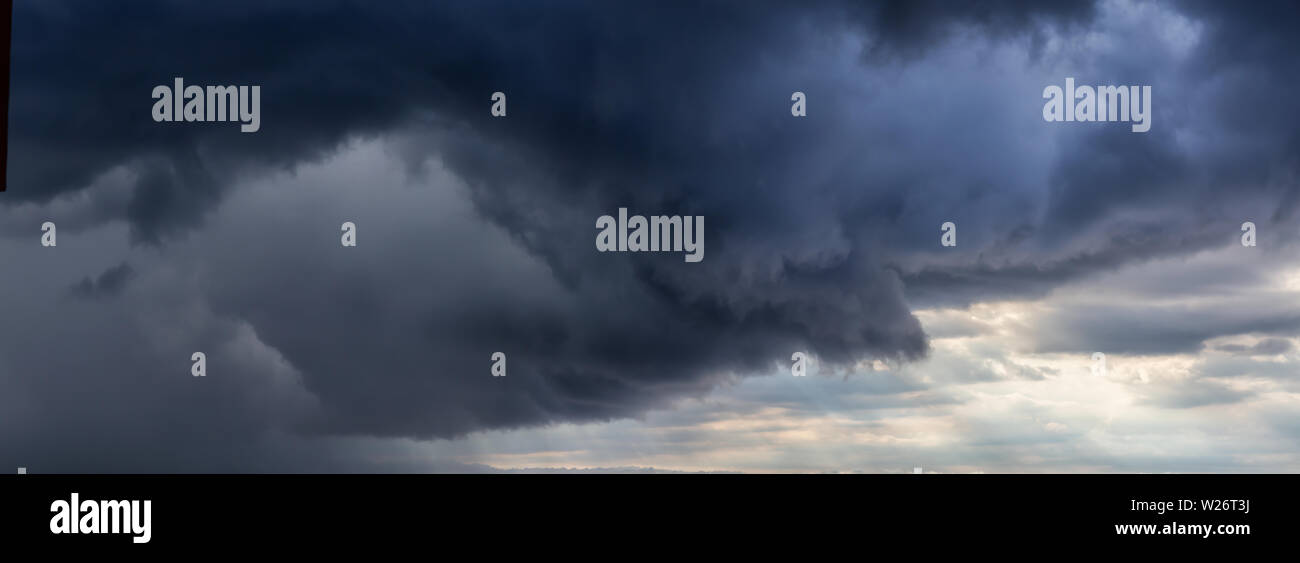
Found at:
<point>475,234</point>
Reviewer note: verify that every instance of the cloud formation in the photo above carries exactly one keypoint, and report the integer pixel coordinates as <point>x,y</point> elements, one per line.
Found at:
<point>476,233</point>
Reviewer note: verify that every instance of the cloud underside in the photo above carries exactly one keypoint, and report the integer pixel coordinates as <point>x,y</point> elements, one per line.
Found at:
<point>475,235</point>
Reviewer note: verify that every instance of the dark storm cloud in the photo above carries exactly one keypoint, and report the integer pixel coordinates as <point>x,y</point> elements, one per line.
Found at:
<point>108,284</point>
<point>604,95</point>
<point>1224,148</point>
<point>816,230</point>
<point>907,28</point>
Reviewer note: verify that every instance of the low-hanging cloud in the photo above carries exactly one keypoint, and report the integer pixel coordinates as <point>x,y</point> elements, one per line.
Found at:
<point>822,231</point>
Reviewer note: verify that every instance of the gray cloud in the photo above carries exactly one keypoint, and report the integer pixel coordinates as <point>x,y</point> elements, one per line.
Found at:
<point>108,284</point>
<point>1197,393</point>
<point>476,233</point>
<point>1265,347</point>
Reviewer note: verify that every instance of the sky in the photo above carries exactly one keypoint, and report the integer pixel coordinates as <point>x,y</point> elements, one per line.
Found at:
<point>475,234</point>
